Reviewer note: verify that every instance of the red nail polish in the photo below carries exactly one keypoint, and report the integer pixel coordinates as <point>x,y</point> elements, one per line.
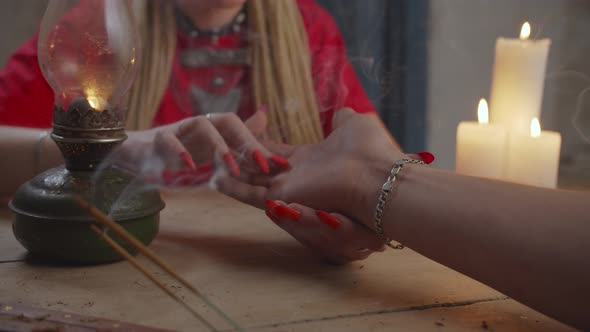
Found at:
<point>286,212</point>
<point>280,161</point>
<point>177,173</point>
<point>182,172</point>
<point>271,204</point>
<point>204,168</point>
<point>185,181</point>
<point>184,178</point>
<point>188,160</point>
<point>168,177</point>
<point>195,179</point>
<point>328,219</point>
<point>271,217</point>
<point>261,161</point>
<point>426,157</point>
<point>231,163</point>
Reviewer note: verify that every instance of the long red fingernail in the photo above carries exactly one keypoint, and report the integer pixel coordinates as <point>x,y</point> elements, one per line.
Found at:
<point>280,161</point>
<point>328,219</point>
<point>204,168</point>
<point>271,204</point>
<point>198,179</point>
<point>261,161</point>
<point>167,177</point>
<point>271,217</point>
<point>188,160</point>
<point>426,157</point>
<point>231,163</point>
<point>286,212</point>
<point>184,177</point>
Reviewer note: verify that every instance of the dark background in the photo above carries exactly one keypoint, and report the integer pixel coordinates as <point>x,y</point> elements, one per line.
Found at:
<point>386,43</point>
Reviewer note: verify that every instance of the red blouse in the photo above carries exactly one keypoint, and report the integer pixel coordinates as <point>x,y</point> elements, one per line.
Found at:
<point>26,99</point>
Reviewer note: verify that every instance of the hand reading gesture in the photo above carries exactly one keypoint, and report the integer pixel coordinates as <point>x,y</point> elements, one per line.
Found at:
<point>340,176</point>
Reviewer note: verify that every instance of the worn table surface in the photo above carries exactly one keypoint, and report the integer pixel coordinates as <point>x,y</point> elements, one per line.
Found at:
<point>264,280</point>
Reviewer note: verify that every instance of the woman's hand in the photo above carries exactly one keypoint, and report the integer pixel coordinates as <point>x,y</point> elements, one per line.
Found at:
<point>333,237</point>
<point>189,151</point>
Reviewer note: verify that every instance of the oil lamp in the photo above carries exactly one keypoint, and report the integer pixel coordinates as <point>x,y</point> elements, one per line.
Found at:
<point>88,51</point>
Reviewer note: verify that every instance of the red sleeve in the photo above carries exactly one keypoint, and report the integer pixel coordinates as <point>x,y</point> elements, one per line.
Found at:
<point>26,100</point>
<point>335,80</point>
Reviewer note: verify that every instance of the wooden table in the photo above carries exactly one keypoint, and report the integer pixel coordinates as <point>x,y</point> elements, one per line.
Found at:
<point>263,279</point>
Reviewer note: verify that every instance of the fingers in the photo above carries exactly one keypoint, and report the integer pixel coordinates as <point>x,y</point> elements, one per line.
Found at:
<point>185,177</point>
<point>334,237</point>
<point>243,192</point>
<point>279,149</point>
<point>257,123</point>
<point>280,153</point>
<point>259,180</point>
<point>366,238</point>
<point>178,167</point>
<point>200,136</point>
<point>226,131</point>
<point>218,138</point>
<point>239,137</point>
<point>167,145</point>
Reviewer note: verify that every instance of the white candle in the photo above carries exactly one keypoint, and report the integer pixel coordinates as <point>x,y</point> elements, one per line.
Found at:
<point>518,80</point>
<point>481,146</point>
<point>534,159</point>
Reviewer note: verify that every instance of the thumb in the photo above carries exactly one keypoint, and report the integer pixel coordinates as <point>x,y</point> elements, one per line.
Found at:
<point>257,123</point>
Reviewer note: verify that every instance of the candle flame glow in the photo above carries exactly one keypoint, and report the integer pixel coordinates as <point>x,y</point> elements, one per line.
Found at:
<point>525,32</point>
<point>535,128</point>
<point>482,112</point>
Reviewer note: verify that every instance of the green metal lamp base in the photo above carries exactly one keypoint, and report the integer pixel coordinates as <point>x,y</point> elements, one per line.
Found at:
<point>51,226</point>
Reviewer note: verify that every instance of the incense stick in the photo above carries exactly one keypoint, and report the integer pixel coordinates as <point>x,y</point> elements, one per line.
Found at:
<point>121,232</point>
<point>146,273</point>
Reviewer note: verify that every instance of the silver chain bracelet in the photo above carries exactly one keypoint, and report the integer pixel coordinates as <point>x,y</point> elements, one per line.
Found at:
<point>385,191</point>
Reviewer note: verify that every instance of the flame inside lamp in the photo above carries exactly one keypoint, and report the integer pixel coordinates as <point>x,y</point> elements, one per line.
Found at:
<point>87,49</point>
<point>482,112</point>
<point>97,103</point>
<point>525,31</point>
<point>535,128</point>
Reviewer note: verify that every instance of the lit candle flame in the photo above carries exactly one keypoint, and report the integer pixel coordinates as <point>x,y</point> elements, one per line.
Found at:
<point>535,128</point>
<point>482,112</point>
<point>525,32</point>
